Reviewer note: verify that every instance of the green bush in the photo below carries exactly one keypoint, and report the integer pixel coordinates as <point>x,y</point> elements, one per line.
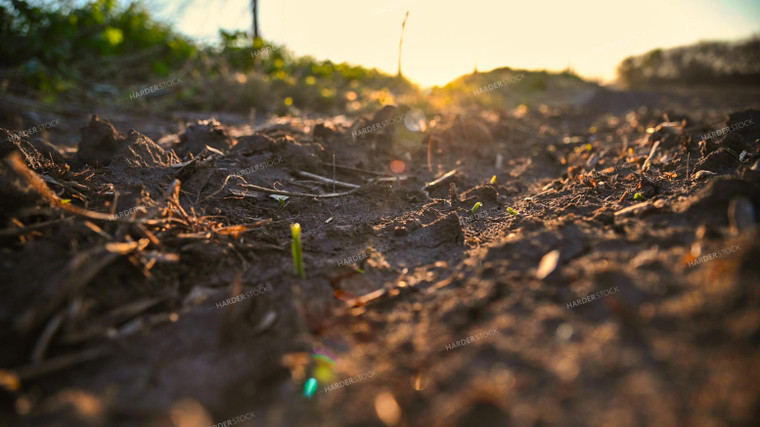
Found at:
<point>705,63</point>
<point>63,47</point>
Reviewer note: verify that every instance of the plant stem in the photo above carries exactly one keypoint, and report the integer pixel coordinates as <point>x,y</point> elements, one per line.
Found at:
<point>401,42</point>
<point>476,207</point>
<point>295,247</point>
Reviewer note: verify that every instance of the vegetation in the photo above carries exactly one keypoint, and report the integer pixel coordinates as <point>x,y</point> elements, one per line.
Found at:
<point>518,87</point>
<point>100,53</point>
<point>475,207</point>
<point>58,48</point>
<point>704,63</point>
<point>295,247</point>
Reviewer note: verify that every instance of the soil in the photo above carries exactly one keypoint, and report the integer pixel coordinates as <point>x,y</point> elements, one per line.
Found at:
<point>122,245</point>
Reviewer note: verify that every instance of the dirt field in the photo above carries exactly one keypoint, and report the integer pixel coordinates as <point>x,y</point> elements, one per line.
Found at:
<point>609,277</point>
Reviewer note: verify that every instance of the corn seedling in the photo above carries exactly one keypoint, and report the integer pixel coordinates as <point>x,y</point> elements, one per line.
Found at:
<point>279,198</point>
<point>476,207</point>
<point>512,211</point>
<point>493,180</point>
<point>638,196</point>
<point>295,248</point>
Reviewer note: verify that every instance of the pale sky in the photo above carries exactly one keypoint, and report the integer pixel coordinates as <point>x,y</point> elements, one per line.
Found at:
<point>445,39</point>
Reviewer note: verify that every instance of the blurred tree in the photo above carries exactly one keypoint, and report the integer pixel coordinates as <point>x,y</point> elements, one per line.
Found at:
<point>703,63</point>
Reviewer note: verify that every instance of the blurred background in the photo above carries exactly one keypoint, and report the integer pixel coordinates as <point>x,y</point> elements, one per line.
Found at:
<point>343,57</point>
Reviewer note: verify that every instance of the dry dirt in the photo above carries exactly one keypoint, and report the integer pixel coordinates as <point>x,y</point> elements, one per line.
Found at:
<point>119,247</point>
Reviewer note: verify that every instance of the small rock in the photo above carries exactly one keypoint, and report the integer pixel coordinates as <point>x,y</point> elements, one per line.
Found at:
<point>741,214</point>
<point>722,160</point>
<point>99,144</point>
<point>139,151</point>
<point>547,265</point>
<point>592,161</point>
<point>266,322</point>
<point>207,132</point>
<point>703,174</point>
<point>323,131</point>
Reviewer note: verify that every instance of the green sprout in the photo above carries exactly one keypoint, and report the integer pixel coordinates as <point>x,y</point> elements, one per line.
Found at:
<point>280,199</point>
<point>512,211</point>
<point>295,248</point>
<point>638,196</point>
<point>493,180</point>
<point>476,207</point>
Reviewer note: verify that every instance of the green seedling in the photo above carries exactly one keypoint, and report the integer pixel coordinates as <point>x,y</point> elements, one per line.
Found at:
<point>493,180</point>
<point>279,198</point>
<point>295,248</point>
<point>638,196</point>
<point>476,207</point>
<point>512,211</point>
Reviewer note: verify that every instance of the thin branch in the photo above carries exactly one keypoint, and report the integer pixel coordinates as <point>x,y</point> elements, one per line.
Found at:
<point>349,168</point>
<point>293,194</point>
<point>327,180</point>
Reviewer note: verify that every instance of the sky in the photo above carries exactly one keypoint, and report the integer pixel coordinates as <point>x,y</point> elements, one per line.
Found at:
<point>445,39</point>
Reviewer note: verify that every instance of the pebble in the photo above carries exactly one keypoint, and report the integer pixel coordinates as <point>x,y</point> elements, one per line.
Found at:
<point>741,214</point>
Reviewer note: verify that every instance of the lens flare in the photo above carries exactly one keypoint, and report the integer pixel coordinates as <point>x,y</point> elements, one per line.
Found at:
<point>398,166</point>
